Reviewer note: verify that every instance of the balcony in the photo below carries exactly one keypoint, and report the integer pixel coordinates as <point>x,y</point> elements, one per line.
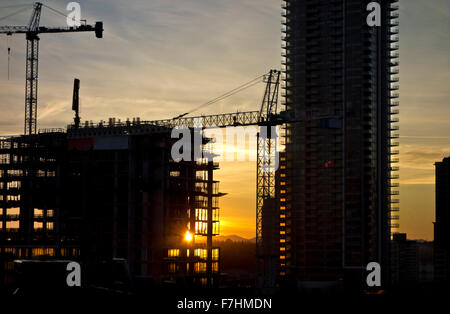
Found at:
<point>394,136</point>
<point>394,104</point>
<point>394,55</point>
<point>393,47</point>
<point>394,63</point>
<point>394,39</point>
<point>394,23</point>
<point>394,31</point>
<point>394,15</point>
<point>393,7</point>
<point>394,120</point>
<point>394,87</point>
<point>396,111</point>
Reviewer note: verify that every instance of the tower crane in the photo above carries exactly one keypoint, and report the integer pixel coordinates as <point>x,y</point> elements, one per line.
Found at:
<point>266,118</point>
<point>32,31</point>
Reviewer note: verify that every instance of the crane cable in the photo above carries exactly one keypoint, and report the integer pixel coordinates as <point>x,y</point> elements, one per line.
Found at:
<point>15,6</point>
<point>60,13</point>
<point>230,93</point>
<point>8,43</point>
<point>14,13</point>
<point>23,7</point>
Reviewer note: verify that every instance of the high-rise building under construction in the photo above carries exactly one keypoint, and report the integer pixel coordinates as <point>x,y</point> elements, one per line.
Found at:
<point>111,197</point>
<point>337,198</point>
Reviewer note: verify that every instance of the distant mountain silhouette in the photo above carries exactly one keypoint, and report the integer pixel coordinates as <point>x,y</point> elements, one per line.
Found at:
<point>234,238</point>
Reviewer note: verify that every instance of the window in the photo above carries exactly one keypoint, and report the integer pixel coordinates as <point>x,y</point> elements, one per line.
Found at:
<point>15,224</point>
<point>202,253</point>
<point>36,252</point>
<point>215,254</point>
<point>13,211</point>
<point>215,267</point>
<point>173,253</point>
<point>172,267</point>
<point>200,267</point>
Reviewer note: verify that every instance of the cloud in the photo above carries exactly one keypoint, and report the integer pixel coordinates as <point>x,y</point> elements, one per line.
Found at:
<point>157,59</point>
<point>160,58</point>
<point>417,158</point>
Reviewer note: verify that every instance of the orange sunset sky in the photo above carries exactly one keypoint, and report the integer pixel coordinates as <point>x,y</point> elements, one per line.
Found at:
<point>161,58</point>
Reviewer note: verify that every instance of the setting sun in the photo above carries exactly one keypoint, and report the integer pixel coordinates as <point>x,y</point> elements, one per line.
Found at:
<point>188,236</point>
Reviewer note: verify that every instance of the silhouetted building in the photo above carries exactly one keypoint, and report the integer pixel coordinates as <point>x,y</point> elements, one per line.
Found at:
<point>442,224</point>
<point>411,261</point>
<point>105,193</point>
<point>339,77</point>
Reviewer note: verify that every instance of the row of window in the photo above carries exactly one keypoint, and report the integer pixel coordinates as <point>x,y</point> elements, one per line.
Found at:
<point>38,213</point>
<point>37,252</point>
<point>15,224</point>
<point>199,267</point>
<point>199,252</point>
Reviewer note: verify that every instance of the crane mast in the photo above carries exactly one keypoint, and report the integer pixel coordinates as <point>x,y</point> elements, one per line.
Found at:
<point>266,167</point>
<point>31,72</point>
